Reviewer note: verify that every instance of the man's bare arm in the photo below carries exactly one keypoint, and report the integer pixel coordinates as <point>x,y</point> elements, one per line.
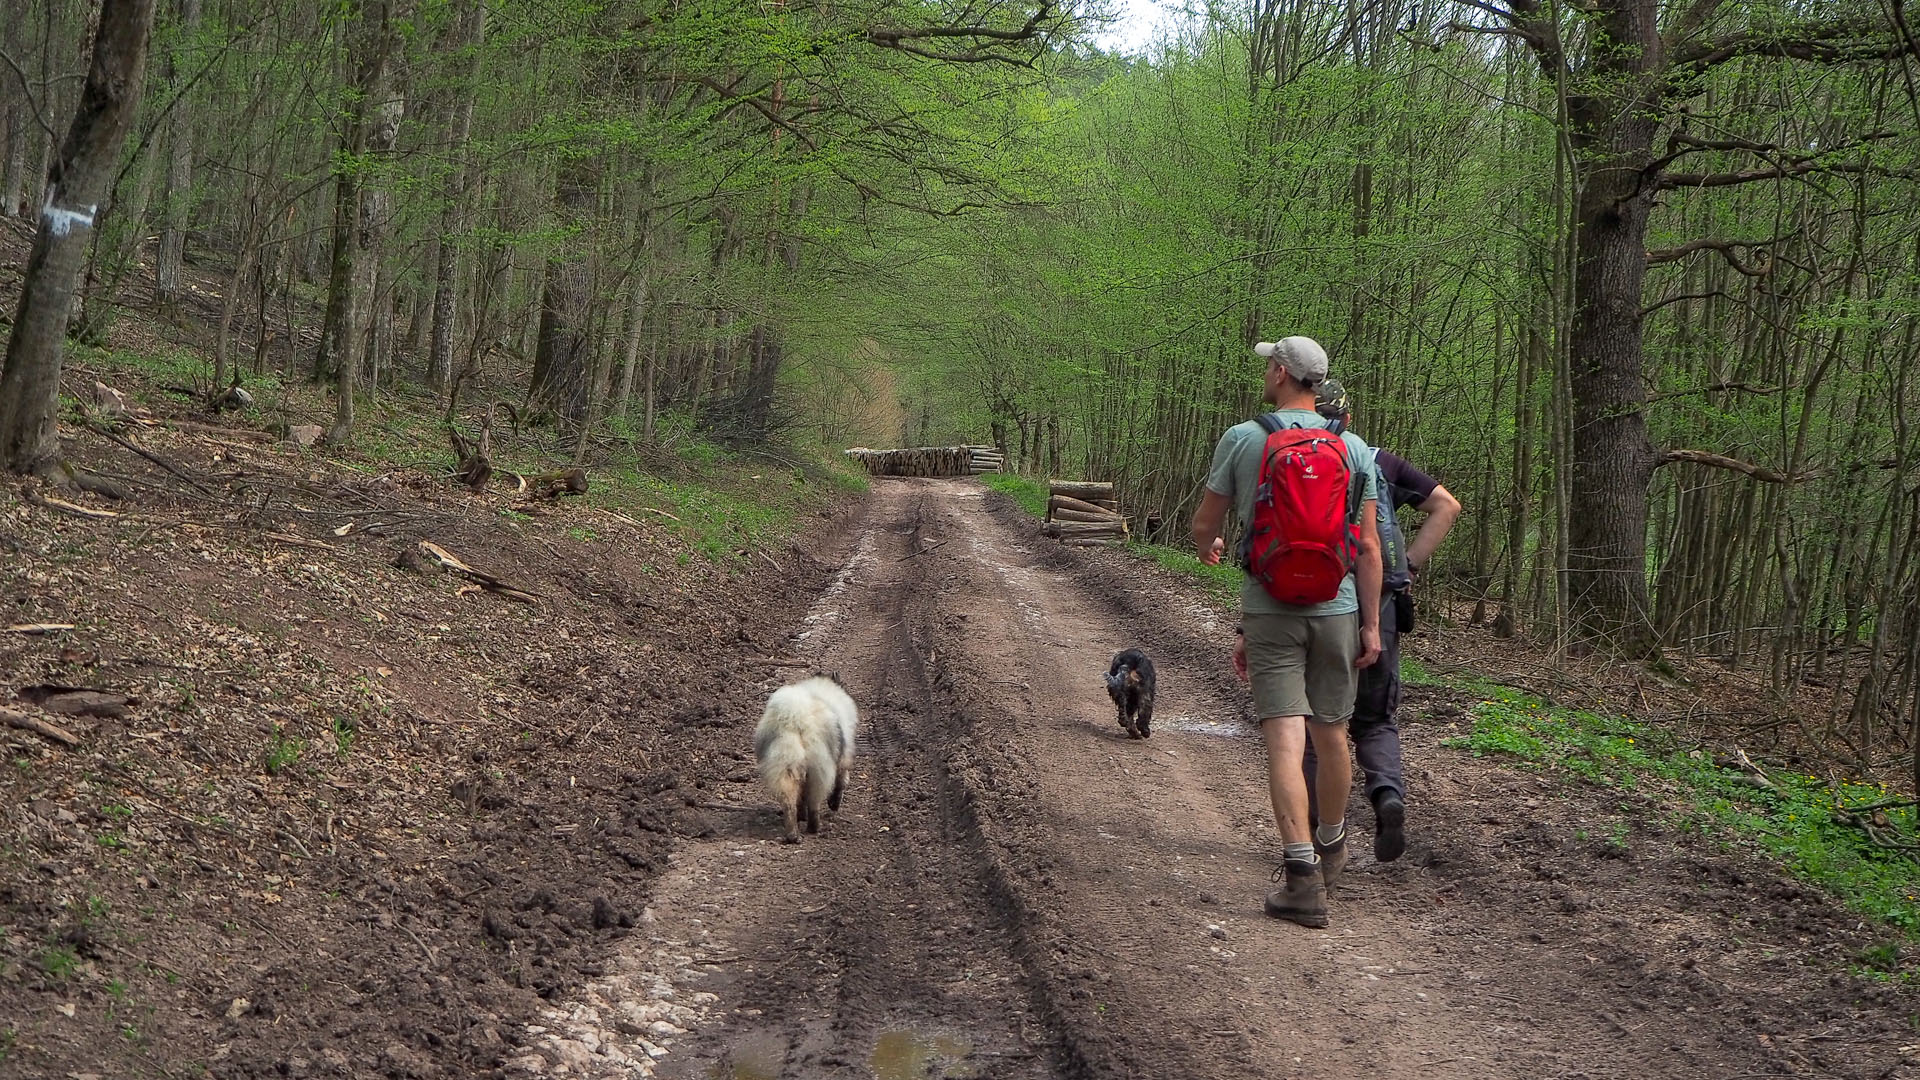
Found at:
<point>1442,510</point>
<point>1209,522</point>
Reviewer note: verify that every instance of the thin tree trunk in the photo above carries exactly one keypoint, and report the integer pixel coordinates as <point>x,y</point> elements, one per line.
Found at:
<point>473,32</point>
<point>560,377</point>
<point>376,126</point>
<point>177,210</point>
<point>13,168</point>
<point>81,178</point>
<point>636,332</point>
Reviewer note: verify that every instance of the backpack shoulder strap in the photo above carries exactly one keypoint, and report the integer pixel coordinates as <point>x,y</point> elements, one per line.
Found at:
<point>1269,422</point>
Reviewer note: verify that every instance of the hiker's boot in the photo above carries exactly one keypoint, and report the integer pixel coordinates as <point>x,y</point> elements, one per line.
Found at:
<point>1333,859</point>
<point>1303,898</point>
<point>1389,826</point>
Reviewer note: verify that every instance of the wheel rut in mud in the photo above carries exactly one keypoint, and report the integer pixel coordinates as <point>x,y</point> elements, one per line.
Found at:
<point>1015,889</point>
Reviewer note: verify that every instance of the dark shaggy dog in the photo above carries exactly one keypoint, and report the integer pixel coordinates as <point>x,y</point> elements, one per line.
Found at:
<point>1130,684</point>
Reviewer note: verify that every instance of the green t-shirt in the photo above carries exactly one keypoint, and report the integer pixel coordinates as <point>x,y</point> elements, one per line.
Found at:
<point>1236,473</point>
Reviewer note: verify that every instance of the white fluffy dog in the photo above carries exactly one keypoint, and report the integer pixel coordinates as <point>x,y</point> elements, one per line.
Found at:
<point>804,745</point>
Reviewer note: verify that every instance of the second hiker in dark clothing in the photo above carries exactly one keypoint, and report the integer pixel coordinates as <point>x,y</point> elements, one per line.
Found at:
<point>1375,729</point>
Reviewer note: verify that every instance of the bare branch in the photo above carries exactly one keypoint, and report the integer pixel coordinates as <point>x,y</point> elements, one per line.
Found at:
<point>1800,167</point>
<point>1721,461</point>
<point>1718,387</point>
<point>1683,298</point>
<point>1837,42</point>
<point>1728,250</point>
<point>984,39</point>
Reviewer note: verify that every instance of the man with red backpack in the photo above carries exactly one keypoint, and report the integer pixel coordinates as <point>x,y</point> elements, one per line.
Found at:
<point>1304,495</point>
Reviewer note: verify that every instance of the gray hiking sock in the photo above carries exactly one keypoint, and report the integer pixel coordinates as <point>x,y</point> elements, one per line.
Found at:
<point>1301,853</point>
<point>1329,833</point>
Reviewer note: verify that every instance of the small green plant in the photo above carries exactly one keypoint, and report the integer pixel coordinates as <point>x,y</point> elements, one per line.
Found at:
<point>60,961</point>
<point>515,515</point>
<point>344,731</point>
<point>582,534</point>
<point>1884,957</point>
<point>98,907</point>
<point>282,752</point>
<point>117,989</point>
<point>111,840</point>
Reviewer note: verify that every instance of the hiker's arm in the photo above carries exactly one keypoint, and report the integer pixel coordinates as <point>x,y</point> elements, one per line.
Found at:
<point>1369,573</point>
<point>1442,510</point>
<point>1208,523</point>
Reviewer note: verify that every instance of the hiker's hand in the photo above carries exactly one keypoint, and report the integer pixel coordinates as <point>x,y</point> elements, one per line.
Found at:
<point>1369,647</point>
<point>1240,657</point>
<point>1211,556</point>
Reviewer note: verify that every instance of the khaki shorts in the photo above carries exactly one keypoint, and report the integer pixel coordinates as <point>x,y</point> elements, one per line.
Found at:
<point>1302,665</point>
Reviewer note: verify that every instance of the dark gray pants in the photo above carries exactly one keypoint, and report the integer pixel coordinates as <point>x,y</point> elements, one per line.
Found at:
<point>1375,728</point>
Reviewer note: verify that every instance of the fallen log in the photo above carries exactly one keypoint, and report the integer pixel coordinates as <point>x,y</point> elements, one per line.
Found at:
<point>1068,502</point>
<point>1089,541</point>
<point>1081,489</point>
<point>1075,528</point>
<point>15,719</point>
<point>1105,517</point>
<point>487,581</point>
<point>555,484</point>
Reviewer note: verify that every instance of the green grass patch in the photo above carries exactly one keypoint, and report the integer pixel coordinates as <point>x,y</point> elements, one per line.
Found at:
<point>1029,493</point>
<point>1221,582</point>
<point>1806,822</point>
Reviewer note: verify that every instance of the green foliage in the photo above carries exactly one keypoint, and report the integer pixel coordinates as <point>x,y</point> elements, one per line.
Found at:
<point>59,962</point>
<point>1800,819</point>
<point>1221,582</point>
<point>282,752</point>
<point>1029,494</point>
<point>345,730</point>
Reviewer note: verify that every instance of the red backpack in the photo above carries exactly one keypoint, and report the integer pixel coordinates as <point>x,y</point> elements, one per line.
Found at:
<point>1305,534</point>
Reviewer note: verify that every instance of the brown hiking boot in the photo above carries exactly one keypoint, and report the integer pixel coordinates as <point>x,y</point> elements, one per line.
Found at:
<point>1303,899</point>
<point>1333,860</point>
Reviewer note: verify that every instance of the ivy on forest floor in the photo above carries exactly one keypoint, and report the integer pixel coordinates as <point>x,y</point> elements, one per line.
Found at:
<point>1808,823</point>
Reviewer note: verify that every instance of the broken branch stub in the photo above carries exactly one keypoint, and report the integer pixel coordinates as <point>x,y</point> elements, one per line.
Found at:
<point>447,561</point>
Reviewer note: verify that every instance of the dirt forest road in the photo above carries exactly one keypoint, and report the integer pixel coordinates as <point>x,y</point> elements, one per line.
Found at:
<point>1014,889</point>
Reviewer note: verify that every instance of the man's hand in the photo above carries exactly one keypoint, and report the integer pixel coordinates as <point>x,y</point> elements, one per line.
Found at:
<point>1369,647</point>
<point>1210,526</point>
<point>1211,556</point>
<point>1240,657</point>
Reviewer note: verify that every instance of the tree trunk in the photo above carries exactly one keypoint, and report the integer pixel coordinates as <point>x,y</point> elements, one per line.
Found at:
<point>375,40</point>
<point>472,33</point>
<point>81,178</point>
<point>13,168</point>
<point>1613,460</point>
<point>636,331</point>
<point>564,347</point>
<point>177,203</point>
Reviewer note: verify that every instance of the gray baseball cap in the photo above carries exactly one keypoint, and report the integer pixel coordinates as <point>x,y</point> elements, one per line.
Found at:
<point>1302,357</point>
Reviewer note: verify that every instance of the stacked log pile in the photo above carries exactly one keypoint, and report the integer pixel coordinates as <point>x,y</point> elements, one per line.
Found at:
<point>929,460</point>
<point>1083,513</point>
